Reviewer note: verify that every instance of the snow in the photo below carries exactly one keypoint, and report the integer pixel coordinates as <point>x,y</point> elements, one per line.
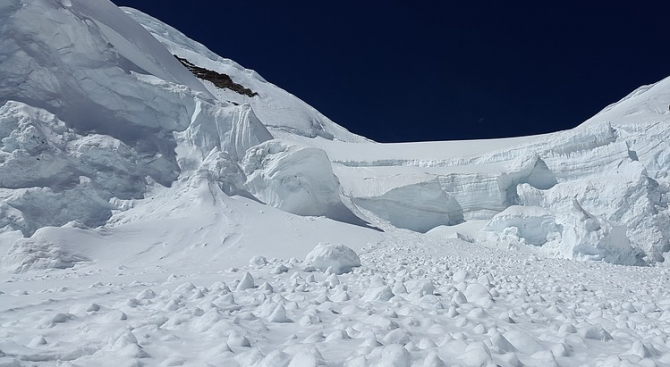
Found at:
<point>336,257</point>
<point>533,224</point>
<point>295,178</point>
<point>148,218</point>
<point>285,115</point>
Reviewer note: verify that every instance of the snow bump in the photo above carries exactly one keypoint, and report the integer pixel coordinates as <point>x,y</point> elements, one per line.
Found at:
<point>341,258</point>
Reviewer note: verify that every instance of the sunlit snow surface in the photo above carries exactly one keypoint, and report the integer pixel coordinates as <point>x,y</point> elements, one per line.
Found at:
<point>414,301</point>
<point>151,219</point>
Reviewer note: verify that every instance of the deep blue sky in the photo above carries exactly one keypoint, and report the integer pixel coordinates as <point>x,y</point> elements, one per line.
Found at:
<point>439,70</point>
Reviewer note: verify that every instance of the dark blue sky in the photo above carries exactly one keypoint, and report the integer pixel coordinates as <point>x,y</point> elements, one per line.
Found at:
<point>439,70</point>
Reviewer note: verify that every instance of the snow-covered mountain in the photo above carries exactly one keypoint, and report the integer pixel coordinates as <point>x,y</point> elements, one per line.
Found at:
<point>99,115</point>
<point>128,148</point>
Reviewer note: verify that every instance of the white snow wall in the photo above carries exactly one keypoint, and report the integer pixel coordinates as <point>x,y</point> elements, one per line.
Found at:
<point>94,110</point>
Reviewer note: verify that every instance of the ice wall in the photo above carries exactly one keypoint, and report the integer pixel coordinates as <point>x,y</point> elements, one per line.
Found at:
<point>616,171</point>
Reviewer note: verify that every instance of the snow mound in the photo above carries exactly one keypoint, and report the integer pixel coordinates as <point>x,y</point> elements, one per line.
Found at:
<point>340,258</point>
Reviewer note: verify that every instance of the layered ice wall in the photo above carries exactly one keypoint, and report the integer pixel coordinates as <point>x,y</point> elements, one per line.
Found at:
<point>613,168</point>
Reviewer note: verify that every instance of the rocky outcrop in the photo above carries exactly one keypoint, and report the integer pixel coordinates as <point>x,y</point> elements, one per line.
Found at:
<point>218,79</point>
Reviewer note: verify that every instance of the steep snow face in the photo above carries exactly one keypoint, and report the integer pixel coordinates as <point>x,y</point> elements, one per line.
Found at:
<point>282,113</point>
<point>647,104</point>
<point>87,63</point>
<point>96,115</point>
<point>615,170</point>
<point>81,63</point>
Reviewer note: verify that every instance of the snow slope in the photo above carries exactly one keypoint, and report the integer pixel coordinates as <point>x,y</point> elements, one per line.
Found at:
<point>413,302</point>
<point>150,218</point>
<point>282,113</point>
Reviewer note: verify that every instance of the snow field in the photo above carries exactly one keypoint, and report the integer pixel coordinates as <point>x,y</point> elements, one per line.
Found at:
<point>409,304</point>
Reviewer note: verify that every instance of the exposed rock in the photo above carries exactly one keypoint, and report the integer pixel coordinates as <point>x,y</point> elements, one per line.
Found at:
<point>218,79</point>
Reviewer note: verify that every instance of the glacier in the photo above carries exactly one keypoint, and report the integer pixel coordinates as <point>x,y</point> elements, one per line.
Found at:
<point>152,218</point>
<point>98,116</point>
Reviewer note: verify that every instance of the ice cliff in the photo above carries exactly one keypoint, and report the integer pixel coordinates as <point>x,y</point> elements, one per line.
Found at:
<point>96,113</point>
<point>614,168</point>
